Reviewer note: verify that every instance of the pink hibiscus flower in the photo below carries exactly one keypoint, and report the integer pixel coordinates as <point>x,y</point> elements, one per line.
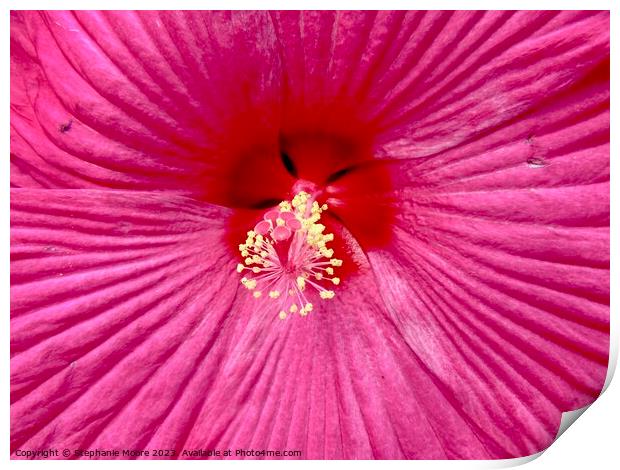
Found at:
<point>446,296</point>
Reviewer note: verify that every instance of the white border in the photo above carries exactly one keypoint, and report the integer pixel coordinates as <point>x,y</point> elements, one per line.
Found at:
<point>313,5</point>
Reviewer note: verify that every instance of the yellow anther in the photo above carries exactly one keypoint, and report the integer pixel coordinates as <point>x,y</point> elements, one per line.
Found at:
<point>311,251</point>
<point>327,294</point>
<point>317,228</point>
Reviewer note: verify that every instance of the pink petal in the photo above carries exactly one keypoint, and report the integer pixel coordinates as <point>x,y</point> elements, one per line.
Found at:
<point>337,384</point>
<point>424,82</point>
<point>152,98</point>
<point>132,290</point>
<point>497,275</point>
<point>170,358</point>
<point>149,114</point>
<point>497,66</point>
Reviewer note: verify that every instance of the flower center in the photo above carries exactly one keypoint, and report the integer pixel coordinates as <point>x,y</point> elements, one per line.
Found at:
<point>287,253</point>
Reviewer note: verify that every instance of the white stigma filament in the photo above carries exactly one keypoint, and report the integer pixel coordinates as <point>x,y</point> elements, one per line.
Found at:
<point>287,276</point>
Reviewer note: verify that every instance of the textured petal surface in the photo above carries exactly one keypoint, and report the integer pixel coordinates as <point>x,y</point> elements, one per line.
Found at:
<point>498,273</point>
<point>152,99</point>
<point>339,386</point>
<point>428,81</point>
<point>113,294</point>
<point>143,100</point>
<point>137,340</point>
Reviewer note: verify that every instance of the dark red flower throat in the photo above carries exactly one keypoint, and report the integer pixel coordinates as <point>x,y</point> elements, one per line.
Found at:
<point>333,161</point>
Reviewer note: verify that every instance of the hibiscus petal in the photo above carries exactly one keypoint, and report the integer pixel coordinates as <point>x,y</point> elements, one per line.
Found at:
<point>151,99</point>
<point>508,63</point>
<point>339,383</point>
<point>498,271</point>
<point>423,82</point>
<point>144,100</point>
<point>129,294</point>
<point>135,341</point>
